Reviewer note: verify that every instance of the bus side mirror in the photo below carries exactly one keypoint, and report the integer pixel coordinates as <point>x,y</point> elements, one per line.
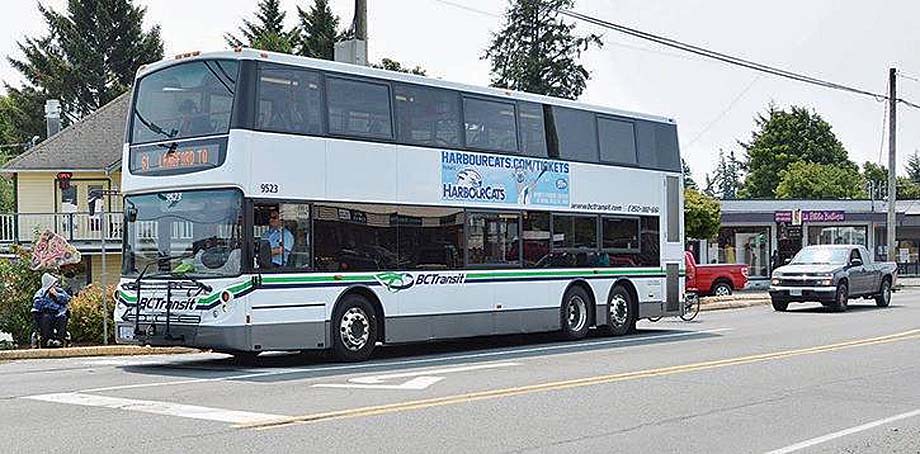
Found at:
<point>786,261</point>
<point>131,214</point>
<point>263,254</point>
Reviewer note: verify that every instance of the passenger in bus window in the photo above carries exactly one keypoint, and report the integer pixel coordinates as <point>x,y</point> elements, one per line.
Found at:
<point>279,238</point>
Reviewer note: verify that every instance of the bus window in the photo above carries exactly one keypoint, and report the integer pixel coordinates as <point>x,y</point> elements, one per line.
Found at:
<point>290,100</point>
<point>536,237</point>
<point>490,125</point>
<point>430,238</point>
<point>576,134</point>
<point>533,135</point>
<point>427,116</point>
<point>355,237</point>
<point>617,141</point>
<point>281,235</point>
<point>493,239</point>
<point>358,108</point>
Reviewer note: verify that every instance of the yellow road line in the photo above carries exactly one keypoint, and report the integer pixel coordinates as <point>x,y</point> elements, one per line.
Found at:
<point>576,383</point>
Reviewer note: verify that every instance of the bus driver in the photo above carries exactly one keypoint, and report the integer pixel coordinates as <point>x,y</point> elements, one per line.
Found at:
<point>279,238</point>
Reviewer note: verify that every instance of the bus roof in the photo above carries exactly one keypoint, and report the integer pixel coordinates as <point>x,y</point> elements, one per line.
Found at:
<point>306,62</point>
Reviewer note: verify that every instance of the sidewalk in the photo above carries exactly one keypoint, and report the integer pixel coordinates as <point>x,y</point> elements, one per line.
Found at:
<point>907,282</point>
<point>736,301</point>
<point>101,350</point>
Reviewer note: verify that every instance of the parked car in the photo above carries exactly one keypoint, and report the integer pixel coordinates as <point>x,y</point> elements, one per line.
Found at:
<point>832,275</point>
<point>715,279</point>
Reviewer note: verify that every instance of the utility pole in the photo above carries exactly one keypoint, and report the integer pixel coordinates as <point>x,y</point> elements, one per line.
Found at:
<point>354,51</point>
<point>892,162</point>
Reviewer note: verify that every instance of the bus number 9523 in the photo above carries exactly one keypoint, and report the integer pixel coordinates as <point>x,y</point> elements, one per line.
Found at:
<point>268,188</point>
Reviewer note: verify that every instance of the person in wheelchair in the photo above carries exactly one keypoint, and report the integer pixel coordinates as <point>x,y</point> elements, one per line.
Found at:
<point>50,312</point>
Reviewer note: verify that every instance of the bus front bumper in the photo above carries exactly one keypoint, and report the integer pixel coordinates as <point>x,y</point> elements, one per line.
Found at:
<point>223,338</point>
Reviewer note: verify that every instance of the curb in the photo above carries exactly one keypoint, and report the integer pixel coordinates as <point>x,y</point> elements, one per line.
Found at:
<point>733,304</point>
<point>80,352</point>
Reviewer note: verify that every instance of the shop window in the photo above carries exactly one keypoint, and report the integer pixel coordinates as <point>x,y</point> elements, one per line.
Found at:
<point>744,245</point>
<point>493,239</point>
<point>842,234</point>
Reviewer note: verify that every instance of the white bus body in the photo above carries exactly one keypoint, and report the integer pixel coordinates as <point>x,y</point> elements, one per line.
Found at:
<point>392,192</point>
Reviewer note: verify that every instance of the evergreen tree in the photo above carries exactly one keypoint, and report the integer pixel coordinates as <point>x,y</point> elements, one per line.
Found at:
<point>726,180</point>
<point>688,176</point>
<point>786,137</point>
<point>913,167</point>
<point>87,58</point>
<point>876,178</point>
<point>267,32</point>
<point>318,31</point>
<point>536,52</point>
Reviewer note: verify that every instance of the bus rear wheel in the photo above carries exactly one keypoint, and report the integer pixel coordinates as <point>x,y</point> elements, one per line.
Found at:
<point>576,305</point>
<point>354,329</point>
<point>621,312</point>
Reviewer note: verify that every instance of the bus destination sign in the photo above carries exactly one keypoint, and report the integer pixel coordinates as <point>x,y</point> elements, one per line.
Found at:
<point>177,158</point>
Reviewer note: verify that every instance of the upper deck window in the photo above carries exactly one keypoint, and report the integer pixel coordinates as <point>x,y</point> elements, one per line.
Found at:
<point>358,108</point>
<point>617,140</point>
<point>490,125</point>
<point>290,100</point>
<point>575,134</point>
<point>427,116</point>
<point>186,100</point>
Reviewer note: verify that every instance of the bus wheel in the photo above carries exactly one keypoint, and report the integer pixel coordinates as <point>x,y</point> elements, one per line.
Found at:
<point>574,313</point>
<point>354,329</point>
<point>621,312</point>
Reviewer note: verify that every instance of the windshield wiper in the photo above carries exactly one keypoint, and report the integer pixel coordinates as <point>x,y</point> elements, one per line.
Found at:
<point>154,127</point>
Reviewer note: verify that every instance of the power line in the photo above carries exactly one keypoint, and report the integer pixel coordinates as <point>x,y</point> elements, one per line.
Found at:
<point>724,112</point>
<point>729,58</point>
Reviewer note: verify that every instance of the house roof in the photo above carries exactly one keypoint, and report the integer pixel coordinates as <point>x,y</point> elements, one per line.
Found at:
<point>95,142</point>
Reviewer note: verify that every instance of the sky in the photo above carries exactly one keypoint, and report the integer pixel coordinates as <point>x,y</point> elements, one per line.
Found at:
<point>852,42</point>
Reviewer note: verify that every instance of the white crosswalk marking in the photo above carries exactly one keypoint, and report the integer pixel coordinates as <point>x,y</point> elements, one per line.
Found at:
<point>158,408</point>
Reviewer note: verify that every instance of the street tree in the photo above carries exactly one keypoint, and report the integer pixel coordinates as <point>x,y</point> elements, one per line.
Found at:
<point>319,31</point>
<point>908,189</point>
<point>913,167</point>
<point>785,137</point>
<point>702,215</point>
<point>876,179</point>
<point>88,56</point>
<point>688,175</point>
<point>810,180</point>
<point>267,31</point>
<point>393,65</point>
<point>726,179</point>
<point>537,52</point>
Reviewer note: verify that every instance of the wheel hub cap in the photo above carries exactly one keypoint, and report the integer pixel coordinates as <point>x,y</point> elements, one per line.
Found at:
<point>578,313</point>
<point>619,310</point>
<point>354,329</point>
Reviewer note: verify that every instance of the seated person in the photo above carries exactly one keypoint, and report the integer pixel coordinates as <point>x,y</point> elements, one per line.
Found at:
<point>49,308</point>
<point>279,238</point>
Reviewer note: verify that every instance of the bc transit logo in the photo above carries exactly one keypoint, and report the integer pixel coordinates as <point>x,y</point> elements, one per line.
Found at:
<point>395,282</point>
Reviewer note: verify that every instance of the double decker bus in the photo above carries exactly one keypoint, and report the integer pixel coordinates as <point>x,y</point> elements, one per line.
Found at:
<point>275,202</point>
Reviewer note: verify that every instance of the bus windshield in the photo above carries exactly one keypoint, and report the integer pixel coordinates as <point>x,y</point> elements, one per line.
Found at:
<point>186,100</point>
<point>199,230</point>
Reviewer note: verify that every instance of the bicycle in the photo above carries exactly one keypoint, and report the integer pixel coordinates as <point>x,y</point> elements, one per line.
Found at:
<point>690,310</point>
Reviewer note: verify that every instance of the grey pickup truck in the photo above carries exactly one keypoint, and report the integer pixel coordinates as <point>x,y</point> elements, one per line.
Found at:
<point>832,275</point>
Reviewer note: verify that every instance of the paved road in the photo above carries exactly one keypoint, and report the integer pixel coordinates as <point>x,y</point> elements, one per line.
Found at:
<point>748,380</point>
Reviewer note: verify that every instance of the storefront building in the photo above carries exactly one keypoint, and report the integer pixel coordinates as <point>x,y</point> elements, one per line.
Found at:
<point>764,233</point>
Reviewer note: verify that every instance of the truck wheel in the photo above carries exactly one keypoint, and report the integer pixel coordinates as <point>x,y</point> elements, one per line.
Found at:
<point>780,306</point>
<point>883,299</point>
<point>354,329</point>
<point>722,289</point>
<point>842,298</point>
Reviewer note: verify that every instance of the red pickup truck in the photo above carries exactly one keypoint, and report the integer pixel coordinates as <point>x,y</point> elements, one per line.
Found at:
<point>716,279</point>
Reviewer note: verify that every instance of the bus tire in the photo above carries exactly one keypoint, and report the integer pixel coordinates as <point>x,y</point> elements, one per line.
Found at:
<point>354,329</point>
<point>574,314</point>
<point>622,312</point>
